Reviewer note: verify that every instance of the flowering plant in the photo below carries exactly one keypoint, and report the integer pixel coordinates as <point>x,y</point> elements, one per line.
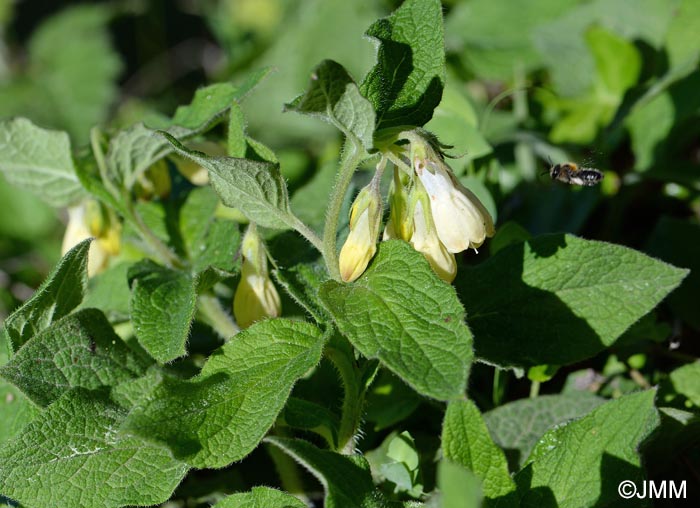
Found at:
<point>379,308</point>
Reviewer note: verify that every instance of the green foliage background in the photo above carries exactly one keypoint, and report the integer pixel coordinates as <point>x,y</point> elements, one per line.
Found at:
<point>559,323</point>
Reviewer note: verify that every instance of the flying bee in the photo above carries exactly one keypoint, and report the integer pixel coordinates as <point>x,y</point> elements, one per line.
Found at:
<point>570,172</point>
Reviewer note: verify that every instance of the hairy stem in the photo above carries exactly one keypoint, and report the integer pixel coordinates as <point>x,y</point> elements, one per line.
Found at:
<point>353,401</point>
<point>352,155</point>
<point>213,314</point>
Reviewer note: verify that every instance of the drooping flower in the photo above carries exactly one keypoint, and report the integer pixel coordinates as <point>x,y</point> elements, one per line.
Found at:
<point>462,222</point>
<point>425,240</point>
<point>91,220</point>
<point>361,243</point>
<point>256,297</point>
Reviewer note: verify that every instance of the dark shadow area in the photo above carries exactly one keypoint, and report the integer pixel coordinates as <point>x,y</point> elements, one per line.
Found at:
<point>525,496</point>
<point>517,324</point>
<point>613,471</point>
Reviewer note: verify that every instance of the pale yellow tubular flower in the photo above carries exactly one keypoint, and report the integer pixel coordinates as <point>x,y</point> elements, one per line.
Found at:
<point>77,230</point>
<point>256,297</point>
<point>361,243</point>
<point>462,222</point>
<point>425,240</point>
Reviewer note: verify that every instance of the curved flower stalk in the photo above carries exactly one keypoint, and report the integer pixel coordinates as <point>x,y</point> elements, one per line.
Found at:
<point>256,297</point>
<point>365,221</point>
<point>91,220</point>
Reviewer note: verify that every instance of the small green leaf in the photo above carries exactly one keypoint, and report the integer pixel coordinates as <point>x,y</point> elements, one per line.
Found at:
<point>400,313</point>
<point>334,97</point>
<point>466,441</point>
<point>346,479</point>
<point>80,350</point>
<point>518,425</point>
<point>260,497</point>
<point>582,463</point>
<point>255,188</point>
<point>162,308</point>
<point>60,293</point>
<point>207,104</point>
<point>558,299</point>
<point>39,160</point>
<point>405,85</point>
<point>223,413</point>
<point>686,381</point>
<point>72,455</point>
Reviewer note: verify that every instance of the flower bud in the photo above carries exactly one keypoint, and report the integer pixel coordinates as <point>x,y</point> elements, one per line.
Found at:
<point>154,182</point>
<point>256,297</point>
<point>425,240</point>
<point>400,224</point>
<point>462,222</point>
<point>361,243</point>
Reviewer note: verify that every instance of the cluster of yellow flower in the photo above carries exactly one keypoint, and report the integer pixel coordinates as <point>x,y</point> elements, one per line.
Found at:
<point>429,208</point>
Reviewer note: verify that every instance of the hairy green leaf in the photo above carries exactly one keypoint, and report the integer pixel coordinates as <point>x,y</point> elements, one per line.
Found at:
<point>558,299</point>
<point>466,441</point>
<point>518,425</point>
<point>406,84</point>
<point>16,411</point>
<point>60,293</point>
<point>255,188</point>
<point>260,497</point>
<point>334,97</point>
<point>346,479</point>
<point>73,455</point>
<point>221,415</point>
<point>39,160</point>
<point>162,308</point>
<point>80,350</point>
<point>400,313</point>
<point>582,463</point>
